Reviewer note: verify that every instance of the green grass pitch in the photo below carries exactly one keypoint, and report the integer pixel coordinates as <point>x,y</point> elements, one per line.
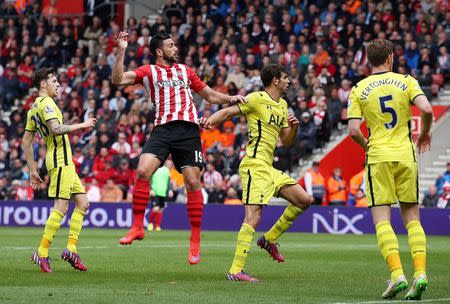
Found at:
<point>318,269</point>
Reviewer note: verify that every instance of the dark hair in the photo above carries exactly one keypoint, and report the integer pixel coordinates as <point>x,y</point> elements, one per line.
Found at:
<point>271,71</point>
<point>378,51</point>
<point>157,41</point>
<point>41,74</point>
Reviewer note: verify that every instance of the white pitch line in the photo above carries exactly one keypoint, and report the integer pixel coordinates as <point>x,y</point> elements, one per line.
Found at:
<point>350,246</point>
<point>393,301</point>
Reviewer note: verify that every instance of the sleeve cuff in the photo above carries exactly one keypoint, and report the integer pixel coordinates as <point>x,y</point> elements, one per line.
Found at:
<point>412,100</point>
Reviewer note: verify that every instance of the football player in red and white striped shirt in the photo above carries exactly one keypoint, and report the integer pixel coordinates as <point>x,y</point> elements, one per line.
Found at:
<point>176,131</point>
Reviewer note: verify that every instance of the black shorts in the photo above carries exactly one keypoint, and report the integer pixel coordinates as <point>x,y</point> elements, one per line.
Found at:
<point>180,139</point>
<point>159,201</point>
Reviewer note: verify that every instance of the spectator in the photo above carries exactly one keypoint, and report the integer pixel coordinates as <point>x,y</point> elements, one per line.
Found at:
<point>125,177</point>
<point>16,172</point>
<point>360,199</point>
<point>3,189</point>
<point>431,198</point>
<point>108,172</point>
<point>306,137</point>
<point>211,177</point>
<point>227,137</point>
<point>336,188</point>
<point>91,37</point>
<point>444,199</point>
<point>322,123</point>
<point>425,80</point>
<point>315,184</point>
<point>121,146</point>
<point>110,192</point>
<point>441,180</point>
<point>217,195</point>
<point>92,190</point>
<point>356,182</point>
<point>232,197</point>
<point>24,192</point>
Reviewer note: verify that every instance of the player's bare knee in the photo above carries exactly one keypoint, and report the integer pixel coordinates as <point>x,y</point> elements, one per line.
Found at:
<point>192,183</point>
<point>253,220</point>
<point>84,206</point>
<point>308,202</point>
<point>142,173</point>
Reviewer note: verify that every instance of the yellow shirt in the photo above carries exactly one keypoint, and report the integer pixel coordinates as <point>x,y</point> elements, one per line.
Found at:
<point>265,119</point>
<point>384,100</point>
<point>59,153</point>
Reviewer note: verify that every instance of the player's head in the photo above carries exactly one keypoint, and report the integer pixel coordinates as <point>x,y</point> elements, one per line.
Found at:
<point>380,52</point>
<point>163,47</point>
<point>275,75</point>
<point>44,79</point>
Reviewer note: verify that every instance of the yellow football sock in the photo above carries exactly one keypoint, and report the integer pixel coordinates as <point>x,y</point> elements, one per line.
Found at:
<point>51,227</point>
<point>284,222</point>
<point>388,244</point>
<point>76,223</point>
<point>417,244</point>
<point>244,241</point>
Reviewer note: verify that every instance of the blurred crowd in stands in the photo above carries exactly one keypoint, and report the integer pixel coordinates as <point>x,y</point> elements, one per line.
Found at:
<point>321,43</point>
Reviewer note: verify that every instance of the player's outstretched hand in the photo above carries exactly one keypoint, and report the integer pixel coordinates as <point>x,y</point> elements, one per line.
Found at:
<point>238,99</point>
<point>90,123</point>
<point>122,40</point>
<point>292,120</point>
<point>35,180</point>
<point>205,123</point>
<point>424,143</point>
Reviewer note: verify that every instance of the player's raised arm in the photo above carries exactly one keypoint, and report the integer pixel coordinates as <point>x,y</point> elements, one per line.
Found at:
<point>60,129</point>
<point>216,97</point>
<point>288,134</point>
<point>27,146</point>
<point>220,116</point>
<point>424,139</point>
<point>118,77</point>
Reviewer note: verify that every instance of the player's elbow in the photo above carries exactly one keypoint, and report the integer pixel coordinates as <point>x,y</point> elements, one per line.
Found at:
<point>116,80</point>
<point>427,110</point>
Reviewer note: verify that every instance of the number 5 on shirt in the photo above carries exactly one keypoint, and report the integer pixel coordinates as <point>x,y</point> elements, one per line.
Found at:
<point>387,109</point>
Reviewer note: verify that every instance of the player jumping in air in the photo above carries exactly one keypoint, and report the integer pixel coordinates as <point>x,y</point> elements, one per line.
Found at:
<point>176,131</point>
<point>45,118</point>
<point>268,120</point>
<point>384,99</point>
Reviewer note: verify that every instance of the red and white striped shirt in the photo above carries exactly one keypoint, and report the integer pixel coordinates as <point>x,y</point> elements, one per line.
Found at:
<point>169,91</point>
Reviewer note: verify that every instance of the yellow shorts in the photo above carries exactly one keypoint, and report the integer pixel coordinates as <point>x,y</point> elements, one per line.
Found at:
<point>64,182</point>
<point>391,182</point>
<point>260,181</point>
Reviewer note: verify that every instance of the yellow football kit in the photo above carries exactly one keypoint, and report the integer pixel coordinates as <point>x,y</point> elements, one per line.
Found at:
<point>384,100</point>
<point>265,119</point>
<point>63,179</point>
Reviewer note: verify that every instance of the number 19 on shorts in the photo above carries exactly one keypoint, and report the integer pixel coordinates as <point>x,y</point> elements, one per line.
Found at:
<point>198,156</point>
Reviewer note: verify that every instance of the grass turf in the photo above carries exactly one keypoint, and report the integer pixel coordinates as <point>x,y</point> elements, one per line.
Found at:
<point>318,269</point>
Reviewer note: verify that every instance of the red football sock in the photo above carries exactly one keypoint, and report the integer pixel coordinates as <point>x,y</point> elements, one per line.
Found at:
<point>158,218</point>
<point>195,211</point>
<point>152,217</point>
<point>141,195</point>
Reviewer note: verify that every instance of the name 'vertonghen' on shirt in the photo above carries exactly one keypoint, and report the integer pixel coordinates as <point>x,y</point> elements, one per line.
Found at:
<point>386,81</point>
